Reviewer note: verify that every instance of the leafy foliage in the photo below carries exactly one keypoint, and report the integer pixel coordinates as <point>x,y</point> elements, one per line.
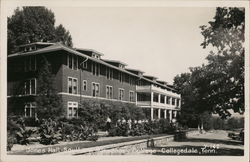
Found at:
<point>97,112</point>
<point>142,128</point>
<point>48,101</point>
<point>225,70</point>
<point>218,86</point>
<point>77,129</point>
<point>49,132</point>
<point>17,132</point>
<point>63,36</point>
<point>34,24</point>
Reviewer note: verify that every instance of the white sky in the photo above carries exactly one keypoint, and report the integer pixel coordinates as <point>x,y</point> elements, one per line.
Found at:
<point>161,41</point>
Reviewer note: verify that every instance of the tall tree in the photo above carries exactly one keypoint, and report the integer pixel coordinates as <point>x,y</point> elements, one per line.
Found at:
<point>225,69</point>
<point>48,101</point>
<point>194,110</point>
<point>183,85</point>
<point>62,35</point>
<point>34,24</point>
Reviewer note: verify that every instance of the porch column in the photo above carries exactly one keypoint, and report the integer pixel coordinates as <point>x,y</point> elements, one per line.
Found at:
<point>165,99</point>
<point>170,100</point>
<point>152,110</point>
<point>152,113</point>
<point>165,114</point>
<point>159,98</point>
<point>135,98</point>
<point>152,98</point>
<point>175,114</point>
<point>170,116</point>
<point>159,113</point>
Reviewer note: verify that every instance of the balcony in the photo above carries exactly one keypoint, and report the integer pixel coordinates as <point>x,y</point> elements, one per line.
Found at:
<point>157,105</point>
<point>155,89</point>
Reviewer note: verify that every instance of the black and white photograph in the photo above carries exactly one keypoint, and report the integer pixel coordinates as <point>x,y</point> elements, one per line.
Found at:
<point>116,81</point>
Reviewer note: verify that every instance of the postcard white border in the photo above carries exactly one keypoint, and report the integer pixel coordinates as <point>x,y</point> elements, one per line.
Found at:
<point>118,3</point>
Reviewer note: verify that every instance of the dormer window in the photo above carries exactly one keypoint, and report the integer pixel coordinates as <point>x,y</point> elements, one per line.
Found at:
<point>121,66</point>
<point>96,56</point>
<point>33,46</point>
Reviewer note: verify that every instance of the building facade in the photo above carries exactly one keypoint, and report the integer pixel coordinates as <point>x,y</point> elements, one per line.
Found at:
<point>80,74</point>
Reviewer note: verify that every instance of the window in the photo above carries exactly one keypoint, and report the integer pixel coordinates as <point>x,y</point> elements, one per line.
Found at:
<point>168,100</point>
<point>95,68</point>
<point>121,94</point>
<point>30,87</point>
<point>121,77</point>
<point>85,65</point>
<point>30,109</point>
<point>109,92</point>
<point>95,89</point>
<point>72,85</point>
<point>73,61</point>
<point>82,62</point>
<point>109,73</point>
<point>178,102</point>
<point>30,63</point>
<point>131,96</point>
<point>70,61</point>
<point>27,87</point>
<point>131,80</point>
<point>173,101</point>
<point>96,56</point>
<point>121,66</point>
<point>72,109</point>
<point>84,85</point>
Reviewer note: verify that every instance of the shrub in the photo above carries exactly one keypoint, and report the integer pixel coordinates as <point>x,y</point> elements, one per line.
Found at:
<point>97,112</point>
<point>77,129</point>
<point>121,129</point>
<point>17,131</point>
<point>31,122</point>
<point>49,132</point>
<point>137,129</point>
<point>11,140</point>
<point>142,128</point>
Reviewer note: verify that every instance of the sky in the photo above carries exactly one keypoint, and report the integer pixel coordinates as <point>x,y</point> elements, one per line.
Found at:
<point>161,41</point>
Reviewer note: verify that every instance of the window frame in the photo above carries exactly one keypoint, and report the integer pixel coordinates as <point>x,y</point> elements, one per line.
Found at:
<point>93,84</point>
<point>131,98</point>
<point>32,108</point>
<point>72,79</point>
<point>110,90</point>
<point>168,100</point>
<point>121,97</point>
<point>71,63</point>
<point>84,82</point>
<point>173,101</point>
<point>73,105</point>
<point>29,88</point>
